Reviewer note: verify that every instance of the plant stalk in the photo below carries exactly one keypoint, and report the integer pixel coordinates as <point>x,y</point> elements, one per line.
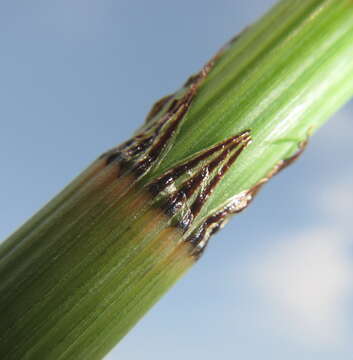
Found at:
<point>79,274</point>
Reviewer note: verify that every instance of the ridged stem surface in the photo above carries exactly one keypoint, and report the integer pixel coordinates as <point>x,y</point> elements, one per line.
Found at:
<point>79,274</point>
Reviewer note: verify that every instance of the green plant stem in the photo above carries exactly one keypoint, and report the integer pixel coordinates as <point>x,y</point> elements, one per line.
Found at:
<point>78,275</point>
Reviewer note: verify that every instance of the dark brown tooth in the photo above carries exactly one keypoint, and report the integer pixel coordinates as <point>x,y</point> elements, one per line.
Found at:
<point>173,174</point>
<point>202,174</point>
<point>157,148</point>
<point>205,193</point>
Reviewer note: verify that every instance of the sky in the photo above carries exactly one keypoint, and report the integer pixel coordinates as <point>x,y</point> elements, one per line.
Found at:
<point>78,77</point>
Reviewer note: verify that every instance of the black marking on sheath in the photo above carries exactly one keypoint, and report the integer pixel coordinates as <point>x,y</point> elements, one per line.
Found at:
<point>152,142</point>
<point>186,187</point>
<point>162,141</point>
<point>173,174</point>
<point>204,195</point>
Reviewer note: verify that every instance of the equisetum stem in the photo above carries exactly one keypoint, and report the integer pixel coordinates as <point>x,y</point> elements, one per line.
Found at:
<point>78,275</point>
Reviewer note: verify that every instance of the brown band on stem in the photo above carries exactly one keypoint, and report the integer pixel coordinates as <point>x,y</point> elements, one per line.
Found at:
<point>184,189</point>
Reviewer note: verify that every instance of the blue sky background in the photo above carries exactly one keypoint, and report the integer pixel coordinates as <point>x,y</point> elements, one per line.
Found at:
<point>78,76</point>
